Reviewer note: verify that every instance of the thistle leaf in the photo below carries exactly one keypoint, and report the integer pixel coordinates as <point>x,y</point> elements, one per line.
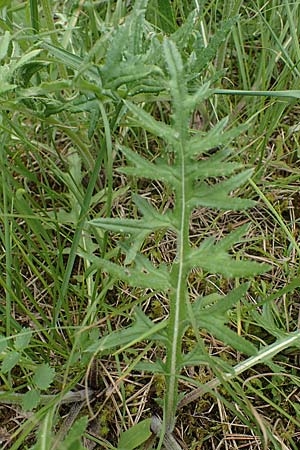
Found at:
<point>129,59</point>
<point>267,321</point>
<point>214,258</point>
<point>143,275</point>
<point>167,219</point>
<point>153,367</point>
<point>202,93</point>
<point>175,67</point>
<point>178,88</point>
<point>204,54</point>
<point>214,138</point>
<point>5,77</point>
<point>191,180</point>
<point>233,238</point>
<point>146,121</point>
<point>5,39</point>
<point>194,357</point>
<point>215,325</point>
<point>130,72</point>
<point>219,304</point>
<point>146,169</point>
<point>133,245</point>
<point>210,313</point>
<point>214,166</point>
<point>143,328</point>
<point>185,32</point>
<point>151,221</point>
<point>216,196</point>
<point>138,229</point>
<point>128,36</point>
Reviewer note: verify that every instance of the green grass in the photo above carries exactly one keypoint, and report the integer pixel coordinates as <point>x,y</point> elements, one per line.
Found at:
<point>78,88</point>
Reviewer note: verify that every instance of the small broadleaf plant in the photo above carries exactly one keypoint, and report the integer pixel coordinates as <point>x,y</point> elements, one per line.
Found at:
<point>189,178</point>
<point>13,353</point>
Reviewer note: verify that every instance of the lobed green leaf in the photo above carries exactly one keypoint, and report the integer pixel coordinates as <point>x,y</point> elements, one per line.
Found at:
<point>196,357</point>
<point>151,221</point>
<point>31,400</point>
<point>214,138</point>
<point>214,166</point>
<point>216,196</point>
<point>219,304</point>
<point>146,121</point>
<point>130,72</point>
<point>10,360</point>
<point>132,245</point>
<point>204,54</point>
<point>213,258</point>
<point>202,93</point>
<point>215,325</point>
<point>143,275</point>
<point>213,318</point>
<point>22,339</point>
<point>147,169</point>
<point>43,376</point>
<point>185,32</point>
<point>143,328</point>
<point>153,367</point>
<point>73,61</point>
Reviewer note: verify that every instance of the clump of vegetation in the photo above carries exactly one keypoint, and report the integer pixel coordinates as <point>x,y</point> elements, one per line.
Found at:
<point>143,255</point>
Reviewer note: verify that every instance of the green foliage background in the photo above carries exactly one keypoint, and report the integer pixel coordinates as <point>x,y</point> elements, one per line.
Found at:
<point>148,165</point>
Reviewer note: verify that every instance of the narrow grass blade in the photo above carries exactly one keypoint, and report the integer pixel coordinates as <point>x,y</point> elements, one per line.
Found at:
<point>279,94</point>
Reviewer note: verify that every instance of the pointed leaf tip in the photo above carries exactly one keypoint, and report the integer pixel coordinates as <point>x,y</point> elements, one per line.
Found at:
<point>135,436</point>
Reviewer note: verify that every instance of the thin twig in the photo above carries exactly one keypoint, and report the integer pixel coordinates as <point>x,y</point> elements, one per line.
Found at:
<point>12,398</point>
<point>67,423</point>
<point>196,393</point>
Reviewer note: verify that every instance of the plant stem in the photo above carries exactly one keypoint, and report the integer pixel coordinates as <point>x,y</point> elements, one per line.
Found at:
<point>15,398</point>
<point>178,296</point>
<point>179,291</point>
